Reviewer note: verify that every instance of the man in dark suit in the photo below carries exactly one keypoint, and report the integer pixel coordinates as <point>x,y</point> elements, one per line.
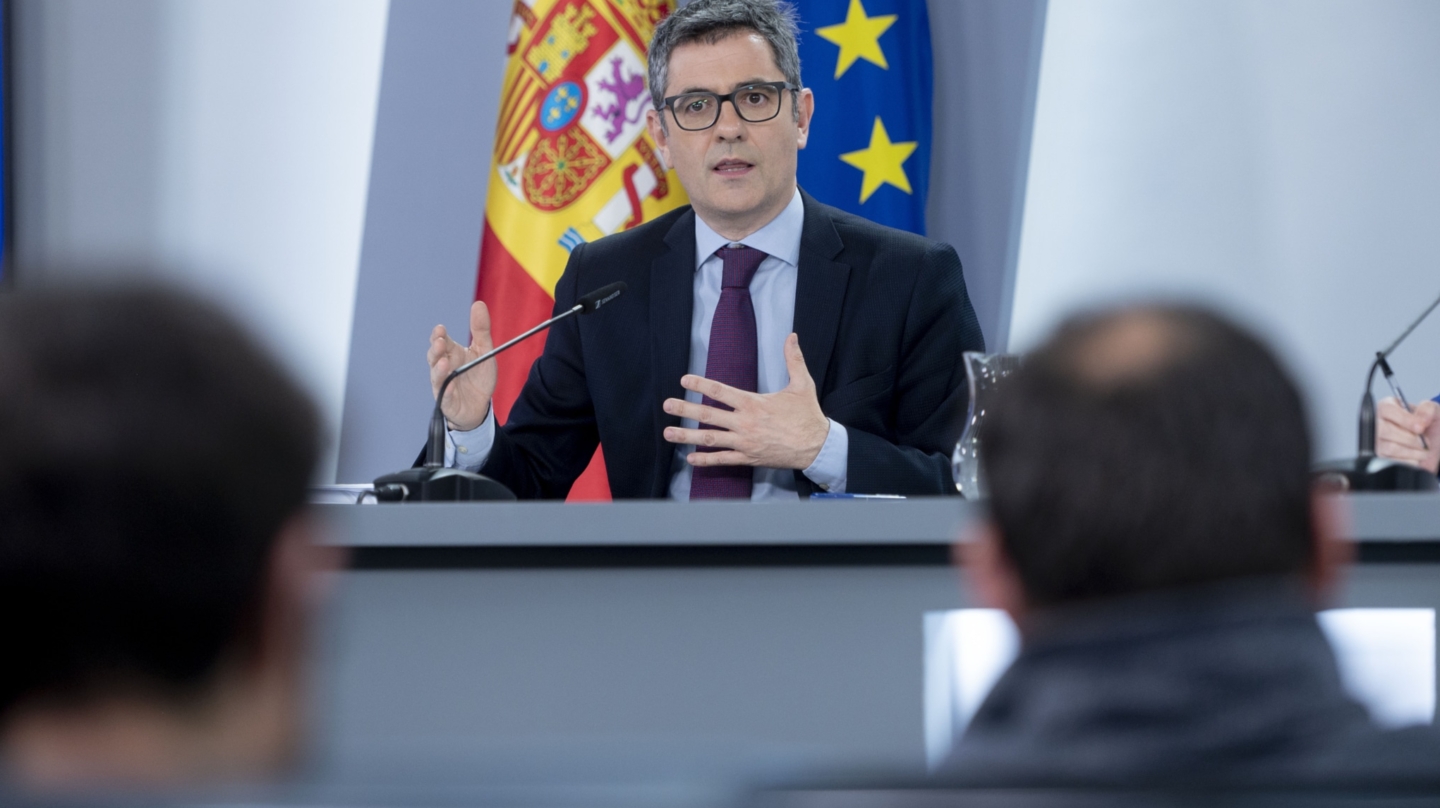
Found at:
<point>694,381</point>
<point>1154,534</point>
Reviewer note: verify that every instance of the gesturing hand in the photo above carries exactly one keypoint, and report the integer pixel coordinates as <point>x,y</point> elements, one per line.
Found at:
<point>467,401</point>
<point>782,430</point>
<point>1397,433</point>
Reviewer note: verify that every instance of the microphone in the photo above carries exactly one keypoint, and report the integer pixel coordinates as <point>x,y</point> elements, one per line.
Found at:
<point>1367,472</point>
<point>434,482</point>
<point>435,449</point>
<point>610,291</point>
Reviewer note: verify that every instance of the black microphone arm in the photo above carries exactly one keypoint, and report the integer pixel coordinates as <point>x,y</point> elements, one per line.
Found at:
<point>1367,401</point>
<point>435,449</point>
<point>1418,320</point>
<point>432,481</point>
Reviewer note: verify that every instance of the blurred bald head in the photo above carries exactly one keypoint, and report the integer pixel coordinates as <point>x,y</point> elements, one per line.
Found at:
<point>1147,448</point>
<point>1129,347</point>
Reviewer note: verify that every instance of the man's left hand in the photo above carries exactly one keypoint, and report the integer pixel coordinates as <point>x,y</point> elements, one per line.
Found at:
<point>782,430</point>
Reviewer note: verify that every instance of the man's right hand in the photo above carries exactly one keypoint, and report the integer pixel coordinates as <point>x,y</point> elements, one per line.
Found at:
<point>467,402</point>
<point>1397,433</point>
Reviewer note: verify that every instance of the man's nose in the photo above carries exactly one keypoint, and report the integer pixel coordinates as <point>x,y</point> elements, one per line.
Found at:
<point>730,125</point>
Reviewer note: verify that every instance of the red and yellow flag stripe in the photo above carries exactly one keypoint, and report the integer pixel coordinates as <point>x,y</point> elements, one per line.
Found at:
<point>572,163</point>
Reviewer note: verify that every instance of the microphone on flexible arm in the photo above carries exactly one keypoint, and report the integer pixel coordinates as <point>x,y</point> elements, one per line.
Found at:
<point>433,482</point>
<point>1366,472</point>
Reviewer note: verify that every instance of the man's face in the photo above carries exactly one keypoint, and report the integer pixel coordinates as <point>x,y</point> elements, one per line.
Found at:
<point>738,175</point>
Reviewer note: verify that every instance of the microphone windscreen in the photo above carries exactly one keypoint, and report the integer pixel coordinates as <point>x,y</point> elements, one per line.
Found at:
<point>600,297</point>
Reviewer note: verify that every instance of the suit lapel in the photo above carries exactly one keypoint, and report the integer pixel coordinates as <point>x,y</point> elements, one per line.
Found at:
<point>819,290</point>
<point>672,301</point>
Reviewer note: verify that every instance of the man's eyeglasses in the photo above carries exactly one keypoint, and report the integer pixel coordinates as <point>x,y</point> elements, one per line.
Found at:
<point>755,103</point>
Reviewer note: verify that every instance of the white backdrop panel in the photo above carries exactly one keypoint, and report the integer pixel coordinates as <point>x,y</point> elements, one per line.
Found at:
<point>225,143</point>
<point>1277,159</point>
<point>270,127</point>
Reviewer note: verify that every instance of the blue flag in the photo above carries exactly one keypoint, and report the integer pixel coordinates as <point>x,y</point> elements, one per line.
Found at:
<point>868,62</point>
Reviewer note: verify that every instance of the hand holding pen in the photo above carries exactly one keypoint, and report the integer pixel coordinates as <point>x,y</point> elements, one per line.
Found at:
<point>1411,435</point>
<point>1400,396</point>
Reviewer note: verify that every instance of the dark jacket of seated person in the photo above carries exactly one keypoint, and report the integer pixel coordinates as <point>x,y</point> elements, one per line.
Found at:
<point>1155,536</point>
<point>155,553</point>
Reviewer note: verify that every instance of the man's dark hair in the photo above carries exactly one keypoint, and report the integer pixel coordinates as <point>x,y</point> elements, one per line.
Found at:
<point>1145,449</point>
<point>711,21</point>
<point>150,452</point>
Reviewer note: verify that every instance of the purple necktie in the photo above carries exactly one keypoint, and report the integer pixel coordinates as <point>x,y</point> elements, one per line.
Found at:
<point>732,361</point>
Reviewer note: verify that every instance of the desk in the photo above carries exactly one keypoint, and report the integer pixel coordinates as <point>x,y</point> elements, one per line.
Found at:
<point>782,630</point>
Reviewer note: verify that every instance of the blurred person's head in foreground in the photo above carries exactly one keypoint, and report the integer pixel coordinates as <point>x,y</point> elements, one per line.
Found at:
<point>1153,530</point>
<point>1147,449</point>
<point>155,553</point>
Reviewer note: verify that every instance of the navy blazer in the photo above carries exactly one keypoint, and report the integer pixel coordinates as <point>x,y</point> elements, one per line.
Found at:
<point>882,316</point>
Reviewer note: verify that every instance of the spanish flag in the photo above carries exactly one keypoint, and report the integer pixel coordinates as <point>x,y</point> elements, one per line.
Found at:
<point>572,163</point>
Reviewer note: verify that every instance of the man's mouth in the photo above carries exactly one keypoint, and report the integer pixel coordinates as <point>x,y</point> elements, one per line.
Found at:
<point>732,167</point>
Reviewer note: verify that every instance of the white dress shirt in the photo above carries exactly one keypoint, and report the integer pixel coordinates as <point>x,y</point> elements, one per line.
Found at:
<point>772,291</point>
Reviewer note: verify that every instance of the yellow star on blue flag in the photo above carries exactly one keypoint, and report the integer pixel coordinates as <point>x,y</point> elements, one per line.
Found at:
<point>869,64</point>
<point>858,37</point>
<point>883,162</point>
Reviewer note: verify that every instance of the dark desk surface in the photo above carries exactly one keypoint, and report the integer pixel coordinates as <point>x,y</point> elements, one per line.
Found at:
<point>1389,527</point>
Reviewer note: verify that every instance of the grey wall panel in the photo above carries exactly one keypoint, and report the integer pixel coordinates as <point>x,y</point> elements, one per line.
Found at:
<point>987,65</point>
<point>89,87</point>
<point>439,95</point>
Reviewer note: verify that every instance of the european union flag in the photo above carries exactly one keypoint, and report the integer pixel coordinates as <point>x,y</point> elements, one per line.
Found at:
<point>868,62</point>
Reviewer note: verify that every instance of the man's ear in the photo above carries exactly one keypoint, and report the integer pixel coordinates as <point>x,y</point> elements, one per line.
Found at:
<point>992,578</point>
<point>1333,549</point>
<point>268,728</point>
<point>656,126</point>
<point>299,577</point>
<point>806,102</point>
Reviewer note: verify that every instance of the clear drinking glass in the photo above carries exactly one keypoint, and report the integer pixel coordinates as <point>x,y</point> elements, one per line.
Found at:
<point>983,372</point>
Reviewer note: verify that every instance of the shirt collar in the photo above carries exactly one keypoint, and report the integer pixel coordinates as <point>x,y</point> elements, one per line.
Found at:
<point>779,238</point>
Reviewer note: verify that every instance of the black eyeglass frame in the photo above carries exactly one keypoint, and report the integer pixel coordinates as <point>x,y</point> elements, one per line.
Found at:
<point>782,86</point>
